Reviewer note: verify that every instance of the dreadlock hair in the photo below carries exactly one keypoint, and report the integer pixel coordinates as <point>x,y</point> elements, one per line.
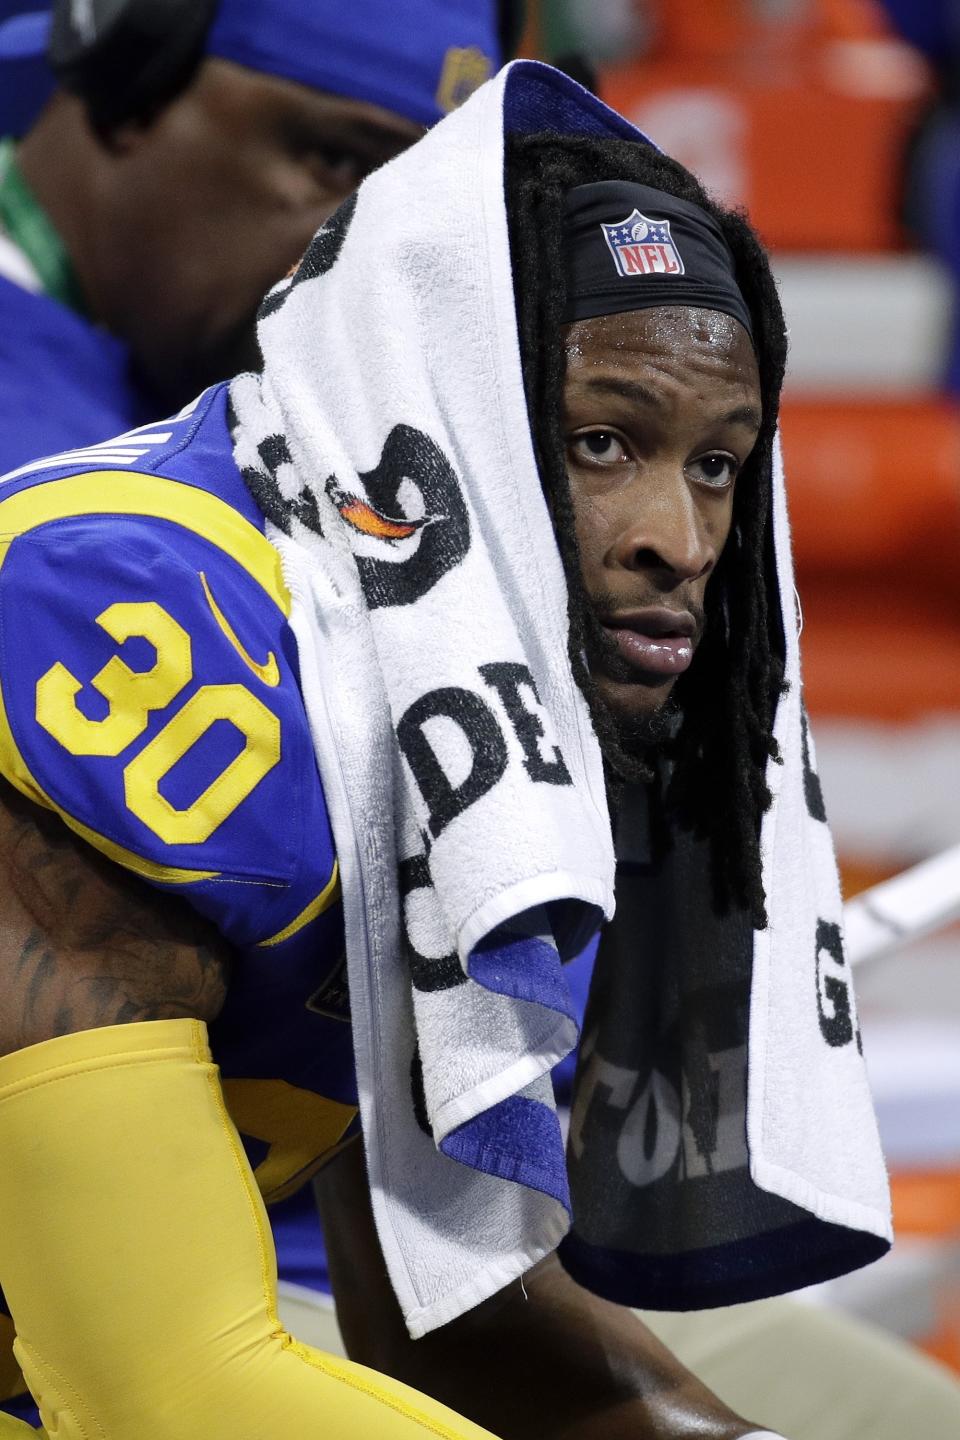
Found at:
<point>728,698</point>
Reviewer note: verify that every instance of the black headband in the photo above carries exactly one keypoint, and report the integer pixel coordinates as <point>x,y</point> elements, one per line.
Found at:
<point>630,247</point>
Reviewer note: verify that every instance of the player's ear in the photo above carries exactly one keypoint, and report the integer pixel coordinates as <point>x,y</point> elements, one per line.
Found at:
<point>123,141</point>
<point>118,139</point>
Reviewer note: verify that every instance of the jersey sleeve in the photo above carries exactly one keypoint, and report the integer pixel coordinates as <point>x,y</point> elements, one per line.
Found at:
<point>149,694</point>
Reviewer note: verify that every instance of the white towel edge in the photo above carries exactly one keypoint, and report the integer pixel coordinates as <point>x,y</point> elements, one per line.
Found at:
<point>462,1108</point>
<point>834,1209</point>
<point>493,1278</point>
<point>536,890</point>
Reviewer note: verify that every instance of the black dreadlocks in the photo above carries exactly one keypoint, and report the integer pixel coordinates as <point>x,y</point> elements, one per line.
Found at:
<point>727,700</point>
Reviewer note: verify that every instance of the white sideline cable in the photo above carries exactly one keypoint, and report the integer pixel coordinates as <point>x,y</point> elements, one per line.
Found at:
<point>891,914</point>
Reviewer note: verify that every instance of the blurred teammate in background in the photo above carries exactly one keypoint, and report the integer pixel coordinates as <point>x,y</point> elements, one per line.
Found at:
<point>931,202</point>
<point>178,168</point>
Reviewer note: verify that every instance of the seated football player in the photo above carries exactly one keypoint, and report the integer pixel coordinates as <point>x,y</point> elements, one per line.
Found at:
<point>312,710</point>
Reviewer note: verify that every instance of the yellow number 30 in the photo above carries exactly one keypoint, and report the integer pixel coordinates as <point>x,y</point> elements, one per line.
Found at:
<point>131,696</point>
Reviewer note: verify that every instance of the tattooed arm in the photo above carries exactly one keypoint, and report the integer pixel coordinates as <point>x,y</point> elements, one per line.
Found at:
<point>85,944</point>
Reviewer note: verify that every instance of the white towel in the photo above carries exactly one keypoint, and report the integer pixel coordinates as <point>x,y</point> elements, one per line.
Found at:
<point>387,441</point>
<point>457,755</point>
<point>810,1124</point>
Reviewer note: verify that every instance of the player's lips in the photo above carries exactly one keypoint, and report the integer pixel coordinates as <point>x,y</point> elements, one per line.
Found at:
<point>656,641</point>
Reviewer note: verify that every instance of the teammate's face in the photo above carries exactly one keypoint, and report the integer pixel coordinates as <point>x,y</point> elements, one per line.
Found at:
<point>217,198</point>
<point>662,409</point>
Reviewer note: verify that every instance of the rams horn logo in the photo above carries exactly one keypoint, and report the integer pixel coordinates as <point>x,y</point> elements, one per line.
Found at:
<point>465,68</point>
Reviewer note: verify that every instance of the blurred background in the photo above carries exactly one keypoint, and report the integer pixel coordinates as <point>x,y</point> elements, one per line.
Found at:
<point>837,124</point>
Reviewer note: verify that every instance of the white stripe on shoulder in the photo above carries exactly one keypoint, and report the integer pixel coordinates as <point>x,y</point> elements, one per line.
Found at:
<point>123,449</point>
<point>99,456</point>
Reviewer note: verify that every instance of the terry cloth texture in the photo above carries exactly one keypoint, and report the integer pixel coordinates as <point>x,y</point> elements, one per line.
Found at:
<point>387,441</point>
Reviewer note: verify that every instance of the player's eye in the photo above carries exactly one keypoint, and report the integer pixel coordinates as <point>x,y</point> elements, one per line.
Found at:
<point>598,447</point>
<point>716,470</point>
<point>338,169</point>
<point>334,164</point>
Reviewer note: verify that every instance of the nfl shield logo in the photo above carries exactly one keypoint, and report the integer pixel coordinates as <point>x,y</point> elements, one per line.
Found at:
<point>641,246</point>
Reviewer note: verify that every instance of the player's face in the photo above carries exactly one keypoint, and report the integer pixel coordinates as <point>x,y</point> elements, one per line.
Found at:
<point>221,195</point>
<point>662,409</point>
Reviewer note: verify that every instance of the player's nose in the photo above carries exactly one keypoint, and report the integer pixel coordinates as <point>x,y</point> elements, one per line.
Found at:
<point>666,535</point>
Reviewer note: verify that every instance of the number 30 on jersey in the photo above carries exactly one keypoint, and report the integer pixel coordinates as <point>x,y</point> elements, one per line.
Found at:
<point>132,696</point>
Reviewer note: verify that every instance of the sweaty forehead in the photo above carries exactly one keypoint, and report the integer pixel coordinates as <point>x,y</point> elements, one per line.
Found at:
<point>671,337</point>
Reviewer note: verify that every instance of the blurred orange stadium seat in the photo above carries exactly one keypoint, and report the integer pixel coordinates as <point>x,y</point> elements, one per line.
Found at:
<point>875,512</point>
<point>926,1206</point>
<point>802,120</point>
<point>875,482</point>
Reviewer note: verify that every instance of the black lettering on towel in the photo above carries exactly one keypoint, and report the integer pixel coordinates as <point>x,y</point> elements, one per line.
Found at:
<point>264,485</point>
<point>506,677</point>
<point>320,256</point>
<point>812,789</point>
<point>478,724</point>
<point>833,991</point>
<point>441,972</point>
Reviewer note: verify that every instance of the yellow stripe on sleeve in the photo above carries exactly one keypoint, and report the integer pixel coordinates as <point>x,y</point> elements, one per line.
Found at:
<point>328,895</point>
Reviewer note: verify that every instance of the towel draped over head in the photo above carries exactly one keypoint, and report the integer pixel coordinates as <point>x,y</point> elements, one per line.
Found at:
<point>723,1137</point>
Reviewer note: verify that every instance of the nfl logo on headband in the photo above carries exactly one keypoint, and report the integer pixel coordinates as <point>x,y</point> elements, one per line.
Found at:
<point>641,246</point>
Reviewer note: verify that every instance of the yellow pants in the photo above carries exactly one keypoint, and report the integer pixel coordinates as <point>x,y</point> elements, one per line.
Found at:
<point>138,1264</point>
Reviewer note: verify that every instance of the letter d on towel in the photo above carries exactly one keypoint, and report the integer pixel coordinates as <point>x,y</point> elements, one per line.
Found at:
<point>478,724</point>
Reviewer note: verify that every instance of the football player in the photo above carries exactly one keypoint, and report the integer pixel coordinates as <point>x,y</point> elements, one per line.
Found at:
<point>172,913</point>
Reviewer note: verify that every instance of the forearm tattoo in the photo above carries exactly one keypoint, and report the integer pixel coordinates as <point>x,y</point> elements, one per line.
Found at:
<point>85,944</point>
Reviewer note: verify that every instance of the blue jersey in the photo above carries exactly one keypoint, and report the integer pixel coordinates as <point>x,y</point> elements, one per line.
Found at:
<point>150,696</point>
<point>63,381</point>
<point>227,809</point>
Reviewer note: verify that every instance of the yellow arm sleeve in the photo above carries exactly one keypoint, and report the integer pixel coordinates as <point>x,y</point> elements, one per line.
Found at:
<point>138,1264</point>
<point>11,1429</point>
